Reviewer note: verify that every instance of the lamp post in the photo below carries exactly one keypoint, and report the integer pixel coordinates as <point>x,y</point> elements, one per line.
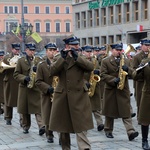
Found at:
<point>23,29</point>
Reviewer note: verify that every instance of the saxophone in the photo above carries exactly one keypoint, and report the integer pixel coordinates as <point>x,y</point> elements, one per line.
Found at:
<point>54,84</point>
<point>122,74</point>
<point>93,80</point>
<point>32,75</point>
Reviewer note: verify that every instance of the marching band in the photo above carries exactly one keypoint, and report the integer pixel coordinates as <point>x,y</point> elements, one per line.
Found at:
<point>67,86</point>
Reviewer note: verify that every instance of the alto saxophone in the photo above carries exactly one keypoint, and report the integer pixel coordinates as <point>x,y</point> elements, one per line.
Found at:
<point>93,80</point>
<point>32,75</point>
<point>54,84</point>
<point>122,74</point>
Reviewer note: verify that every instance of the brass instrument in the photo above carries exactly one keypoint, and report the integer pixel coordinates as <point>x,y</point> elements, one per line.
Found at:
<point>4,66</point>
<point>32,75</point>
<point>93,80</point>
<point>122,73</point>
<point>107,50</point>
<point>12,63</point>
<point>54,84</point>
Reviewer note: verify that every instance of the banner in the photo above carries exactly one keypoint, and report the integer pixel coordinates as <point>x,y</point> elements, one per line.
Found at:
<point>36,37</point>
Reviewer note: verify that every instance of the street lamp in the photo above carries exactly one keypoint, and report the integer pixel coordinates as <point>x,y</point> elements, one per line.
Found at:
<point>24,30</point>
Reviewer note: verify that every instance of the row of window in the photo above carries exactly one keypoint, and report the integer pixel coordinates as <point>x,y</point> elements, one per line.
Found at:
<point>47,27</point>
<point>14,9</point>
<point>99,41</point>
<point>117,14</point>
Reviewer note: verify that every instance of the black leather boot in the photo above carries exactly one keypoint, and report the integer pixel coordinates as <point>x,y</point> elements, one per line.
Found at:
<point>145,144</point>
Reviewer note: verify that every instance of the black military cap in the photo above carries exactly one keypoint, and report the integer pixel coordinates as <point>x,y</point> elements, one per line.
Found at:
<point>87,48</point>
<point>16,46</point>
<point>103,48</point>
<point>2,53</point>
<point>71,40</point>
<point>145,42</point>
<point>117,46</point>
<point>138,48</point>
<point>31,46</point>
<point>51,45</point>
<point>96,48</point>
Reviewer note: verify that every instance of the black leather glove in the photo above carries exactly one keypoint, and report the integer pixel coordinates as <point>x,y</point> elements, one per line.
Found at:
<point>34,68</point>
<point>96,72</point>
<point>50,90</point>
<point>27,79</point>
<point>88,85</point>
<point>74,54</point>
<point>117,80</point>
<point>125,68</point>
<point>64,54</point>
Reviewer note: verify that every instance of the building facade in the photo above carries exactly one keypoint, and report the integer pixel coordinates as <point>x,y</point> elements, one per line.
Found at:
<point>102,22</point>
<point>51,19</point>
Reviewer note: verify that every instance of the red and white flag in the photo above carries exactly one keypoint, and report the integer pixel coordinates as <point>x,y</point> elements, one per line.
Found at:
<point>139,28</point>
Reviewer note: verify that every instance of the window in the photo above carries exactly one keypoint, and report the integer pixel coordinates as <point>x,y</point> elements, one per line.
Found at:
<point>111,15</point>
<point>118,19</point>
<point>37,10</point>
<point>136,11</point>
<point>118,38</point>
<point>16,9</point>
<point>47,10</point>
<point>25,9</point>
<point>67,10</point>
<point>103,40</point>
<point>83,14</point>
<point>145,8</point>
<point>37,27</point>
<point>83,41</point>
<point>9,25</point>
<point>77,20</point>
<point>57,10</point>
<point>97,17</point>
<point>111,39</point>
<point>5,10</point>
<point>77,1</point>
<point>96,40</point>
<point>67,26</point>
<point>103,13</point>
<point>127,12</point>
<point>10,9</point>
<point>90,19</point>
<point>47,27</point>
<point>90,41</point>
<point>57,27</point>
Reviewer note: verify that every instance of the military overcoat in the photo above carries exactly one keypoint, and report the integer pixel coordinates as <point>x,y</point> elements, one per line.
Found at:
<point>2,88</point>
<point>116,102</point>
<point>71,109</point>
<point>29,99</point>
<point>43,82</point>
<point>144,109</point>
<point>10,84</point>
<point>137,59</point>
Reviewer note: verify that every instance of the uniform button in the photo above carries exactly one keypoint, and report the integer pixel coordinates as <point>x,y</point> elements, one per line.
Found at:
<point>67,80</point>
<point>68,90</point>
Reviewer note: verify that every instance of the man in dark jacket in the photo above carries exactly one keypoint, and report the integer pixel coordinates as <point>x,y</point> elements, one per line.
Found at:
<point>116,92</point>
<point>45,83</point>
<point>29,97</point>
<point>71,109</point>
